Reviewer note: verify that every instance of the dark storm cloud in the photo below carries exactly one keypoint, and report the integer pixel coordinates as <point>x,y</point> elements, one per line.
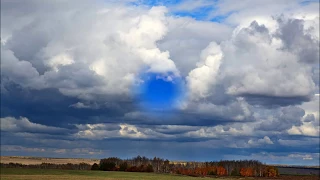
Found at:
<point>50,107</point>
<point>176,118</point>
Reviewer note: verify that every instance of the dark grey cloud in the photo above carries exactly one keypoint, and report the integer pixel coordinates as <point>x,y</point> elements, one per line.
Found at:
<point>296,40</point>
<point>273,101</point>
<point>284,120</point>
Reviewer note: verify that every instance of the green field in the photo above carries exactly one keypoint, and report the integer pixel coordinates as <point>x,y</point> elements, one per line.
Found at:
<point>30,174</point>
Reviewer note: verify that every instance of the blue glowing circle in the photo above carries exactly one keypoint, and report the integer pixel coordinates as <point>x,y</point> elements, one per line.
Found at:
<point>159,91</point>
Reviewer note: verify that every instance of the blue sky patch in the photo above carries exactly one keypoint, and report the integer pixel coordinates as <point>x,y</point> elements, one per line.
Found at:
<point>159,91</point>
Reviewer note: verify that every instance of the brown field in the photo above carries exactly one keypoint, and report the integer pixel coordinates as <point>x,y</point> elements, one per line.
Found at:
<point>39,160</point>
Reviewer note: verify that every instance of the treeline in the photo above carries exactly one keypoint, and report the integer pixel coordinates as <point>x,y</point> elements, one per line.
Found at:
<point>264,171</point>
<point>136,164</point>
<point>246,168</point>
<point>69,166</point>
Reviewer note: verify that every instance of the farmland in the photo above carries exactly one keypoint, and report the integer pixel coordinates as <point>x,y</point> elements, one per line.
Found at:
<point>37,174</point>
<point>34,174</point>
<point>38,160</point>
<point>299,171</point>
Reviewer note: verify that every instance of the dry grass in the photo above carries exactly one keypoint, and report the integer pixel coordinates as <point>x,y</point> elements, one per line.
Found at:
<point>35,160</point>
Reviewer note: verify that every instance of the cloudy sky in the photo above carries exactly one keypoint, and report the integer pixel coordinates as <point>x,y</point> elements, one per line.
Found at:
<point>185,80</point>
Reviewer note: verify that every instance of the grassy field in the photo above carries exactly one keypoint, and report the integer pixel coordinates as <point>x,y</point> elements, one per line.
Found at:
<point>48,174</point>
<point>35,174</point>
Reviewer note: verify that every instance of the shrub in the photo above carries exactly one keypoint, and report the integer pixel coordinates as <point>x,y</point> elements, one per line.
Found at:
<point>123,166</point>
<point>149,168</point>
<point>270,171</point>
<point>95,167</point>
<point>107,166</point>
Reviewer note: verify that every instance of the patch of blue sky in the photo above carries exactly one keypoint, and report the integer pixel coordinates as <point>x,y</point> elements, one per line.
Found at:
<point>156,2</point>
<point>307,2</point>
<point>200,13</point>
<point>159,91</point>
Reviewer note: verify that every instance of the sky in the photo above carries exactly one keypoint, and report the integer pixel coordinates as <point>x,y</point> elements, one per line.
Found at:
<point>193,80</point>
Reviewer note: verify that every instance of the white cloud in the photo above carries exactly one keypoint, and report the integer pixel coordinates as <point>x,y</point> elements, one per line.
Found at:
<point>187,37</point>
<point>257,65</point>
<point>307,129</point>
<point>97,131</point>
<point>204,76</point>
<point>256,61</point>
<point>264,140</point>
<point>312,107</point>
<point>130,131</point>
<point>60,60</point>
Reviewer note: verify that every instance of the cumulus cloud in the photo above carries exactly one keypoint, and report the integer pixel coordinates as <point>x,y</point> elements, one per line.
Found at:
<point>257,62</point>
<point>187,38</point>
<point>306,128</point>
<point>106,56</point>
<point>264,140</point>
<point>21,72</point>
<point>203,77</point>
<point>97,131</point>
<point>257,66</point>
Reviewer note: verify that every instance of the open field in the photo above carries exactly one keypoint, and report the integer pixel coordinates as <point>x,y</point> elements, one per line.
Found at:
<point>37,174</point>
<point>299,171</point>
<point>39,160</point>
